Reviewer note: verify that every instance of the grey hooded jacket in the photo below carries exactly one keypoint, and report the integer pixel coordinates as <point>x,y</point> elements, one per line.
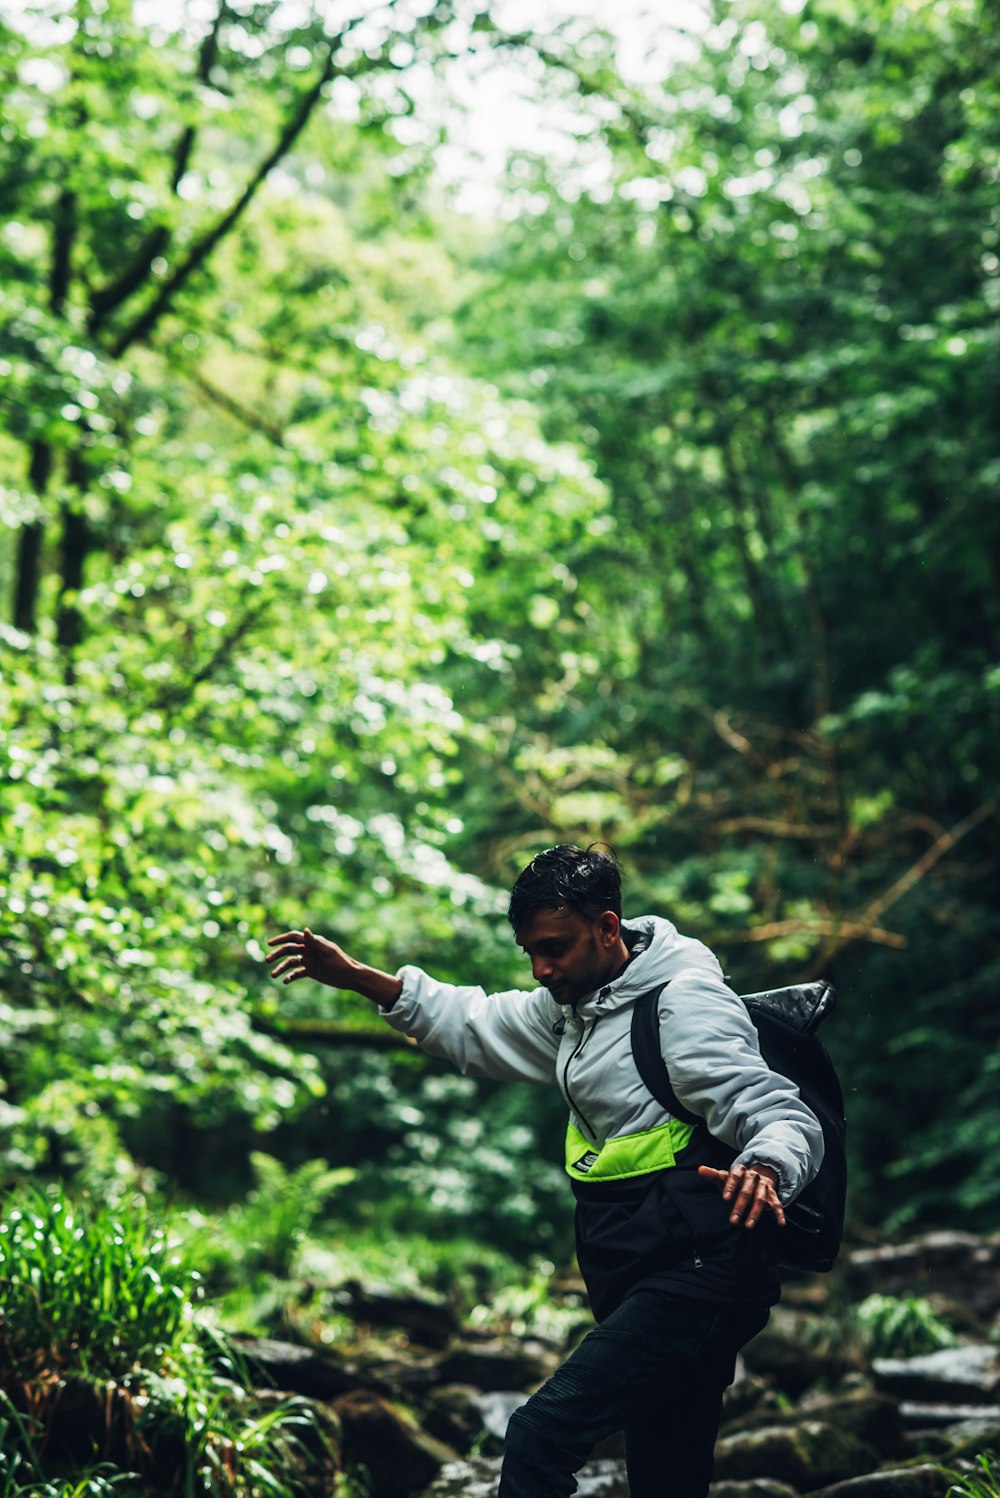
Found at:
<point>707,1040</point>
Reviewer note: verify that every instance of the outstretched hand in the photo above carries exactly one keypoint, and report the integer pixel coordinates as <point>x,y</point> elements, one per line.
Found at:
<point>752,1189</point>
<point>302,954</point>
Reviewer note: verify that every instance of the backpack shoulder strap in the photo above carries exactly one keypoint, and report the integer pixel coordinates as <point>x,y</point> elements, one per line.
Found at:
<point>649,1058</point>
<point>786,1018</point>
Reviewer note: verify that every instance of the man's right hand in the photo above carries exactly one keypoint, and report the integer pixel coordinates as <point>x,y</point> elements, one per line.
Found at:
<point>301,954</point>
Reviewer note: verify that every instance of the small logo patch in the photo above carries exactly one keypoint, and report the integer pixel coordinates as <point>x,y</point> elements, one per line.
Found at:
<point>585,1162</point>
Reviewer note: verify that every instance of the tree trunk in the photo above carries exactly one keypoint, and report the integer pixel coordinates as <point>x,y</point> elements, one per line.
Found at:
<point>77,539</point>
<point>29,546</point>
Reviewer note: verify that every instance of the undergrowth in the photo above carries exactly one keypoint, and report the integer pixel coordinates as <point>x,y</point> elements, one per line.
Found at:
<point>107,1369</point>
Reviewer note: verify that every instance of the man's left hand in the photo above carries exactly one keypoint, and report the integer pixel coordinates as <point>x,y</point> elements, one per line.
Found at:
<point>752,1189</point>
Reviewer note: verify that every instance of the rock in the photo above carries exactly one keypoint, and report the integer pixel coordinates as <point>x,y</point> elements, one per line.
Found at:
<point>758,1487</point>
<point>497,1365</point>
<point>464,1416</point>
<point>970,1446</point>
<point>496,1409</point>
<point>396,1377</point>
<point>957,1266</point>
<point>808,1455</point>
<point>923,1481</point>
<point>431,1323</point>
<point>318,1443</point>
<point>940,1416</point>
<point>478,1479</point>
<point>747,1393</point>
<point>297,1370</point>
<point>969,1374</point>
<point>453,1414</point>
<point>870,1417</point>
<point>399,1457</point>
<point>789,1352</point>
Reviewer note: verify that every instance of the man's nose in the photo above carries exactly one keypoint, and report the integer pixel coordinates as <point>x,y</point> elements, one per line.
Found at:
<point>541,970</point>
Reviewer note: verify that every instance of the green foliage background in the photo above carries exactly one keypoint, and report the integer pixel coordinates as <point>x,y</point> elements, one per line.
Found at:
<point>355,549</point>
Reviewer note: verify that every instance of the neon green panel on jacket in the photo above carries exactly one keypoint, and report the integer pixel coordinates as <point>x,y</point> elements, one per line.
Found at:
<point>628,1155</point>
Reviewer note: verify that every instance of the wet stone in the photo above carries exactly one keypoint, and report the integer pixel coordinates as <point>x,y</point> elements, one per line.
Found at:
<point>959,1375</point>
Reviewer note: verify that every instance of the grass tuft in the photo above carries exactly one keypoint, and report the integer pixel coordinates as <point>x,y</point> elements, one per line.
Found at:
<point>106,1369</point>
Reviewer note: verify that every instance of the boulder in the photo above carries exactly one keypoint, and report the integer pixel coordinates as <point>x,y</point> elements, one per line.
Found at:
<point>297,1370</point>
<point>952,1375</point>
<point>453,1414</point>
<point>869,1416</point>
<point>962,1267</point>
<point>399,1457</point>
<point>478,1478</point>
<point>748,1393</point>
<point>318,1443</point>
<point>396,1376</point>
<point>497,1365</point>
<point>923,1481</point>
<point>757,1487</point>
<point>807,1455</point>
<point>466,1417</point>
<point>790,1352</point>
<point>964,1448</point>
<point>429,1322</point>
<point>916,1416</point>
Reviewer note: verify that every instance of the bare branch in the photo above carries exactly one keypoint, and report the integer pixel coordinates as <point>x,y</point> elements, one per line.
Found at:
<point>105,301</point>
<point>327,1032</point>
<point>174,695</point>
<point>843,931</point>
<point>243,414</point>
<point>203,247</point>
<point>731,736</point>
<point>862,929</point>
<point>934,854</point>
<point>780,829</point>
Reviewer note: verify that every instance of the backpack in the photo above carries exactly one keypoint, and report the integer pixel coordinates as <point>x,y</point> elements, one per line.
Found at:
<point>786,1020</point>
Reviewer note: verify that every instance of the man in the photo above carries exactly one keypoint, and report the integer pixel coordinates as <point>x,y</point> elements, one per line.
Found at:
<point>675,1226</point>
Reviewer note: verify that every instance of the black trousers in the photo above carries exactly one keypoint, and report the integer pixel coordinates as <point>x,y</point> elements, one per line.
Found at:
<point>657,1368</point>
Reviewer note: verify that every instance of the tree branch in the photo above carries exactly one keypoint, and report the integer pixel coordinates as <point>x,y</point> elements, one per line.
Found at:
<point>143,325</point>
<point>253,420</point>
<point>779,829</point>
<point>934,854</point>
<point>729,735</point>
<point>328,1032</point>
<point>848,930</point>
<point>105,301</point>
<point>172,696</point>
<point>863,928</point>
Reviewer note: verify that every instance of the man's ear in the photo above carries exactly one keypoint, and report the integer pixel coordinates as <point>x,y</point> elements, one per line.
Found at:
<point>608,928</point>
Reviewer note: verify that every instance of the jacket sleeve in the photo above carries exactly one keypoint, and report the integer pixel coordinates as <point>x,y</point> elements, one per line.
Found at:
<point>506,1035</point>
<point>717,1071</point>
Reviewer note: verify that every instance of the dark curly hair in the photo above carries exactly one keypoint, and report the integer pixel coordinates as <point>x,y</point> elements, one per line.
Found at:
<point>588,880</point>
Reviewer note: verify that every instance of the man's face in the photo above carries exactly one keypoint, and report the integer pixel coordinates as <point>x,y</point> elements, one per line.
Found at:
<point>570,955</point>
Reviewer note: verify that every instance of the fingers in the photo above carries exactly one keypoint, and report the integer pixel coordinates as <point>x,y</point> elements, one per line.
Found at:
<point>752,1189</point>
<point>290,968</point>
<point>711,1174</point>
<point>288,956</point>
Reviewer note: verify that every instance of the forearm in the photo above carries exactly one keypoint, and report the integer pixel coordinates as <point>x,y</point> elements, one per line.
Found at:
<point>371,983</point>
